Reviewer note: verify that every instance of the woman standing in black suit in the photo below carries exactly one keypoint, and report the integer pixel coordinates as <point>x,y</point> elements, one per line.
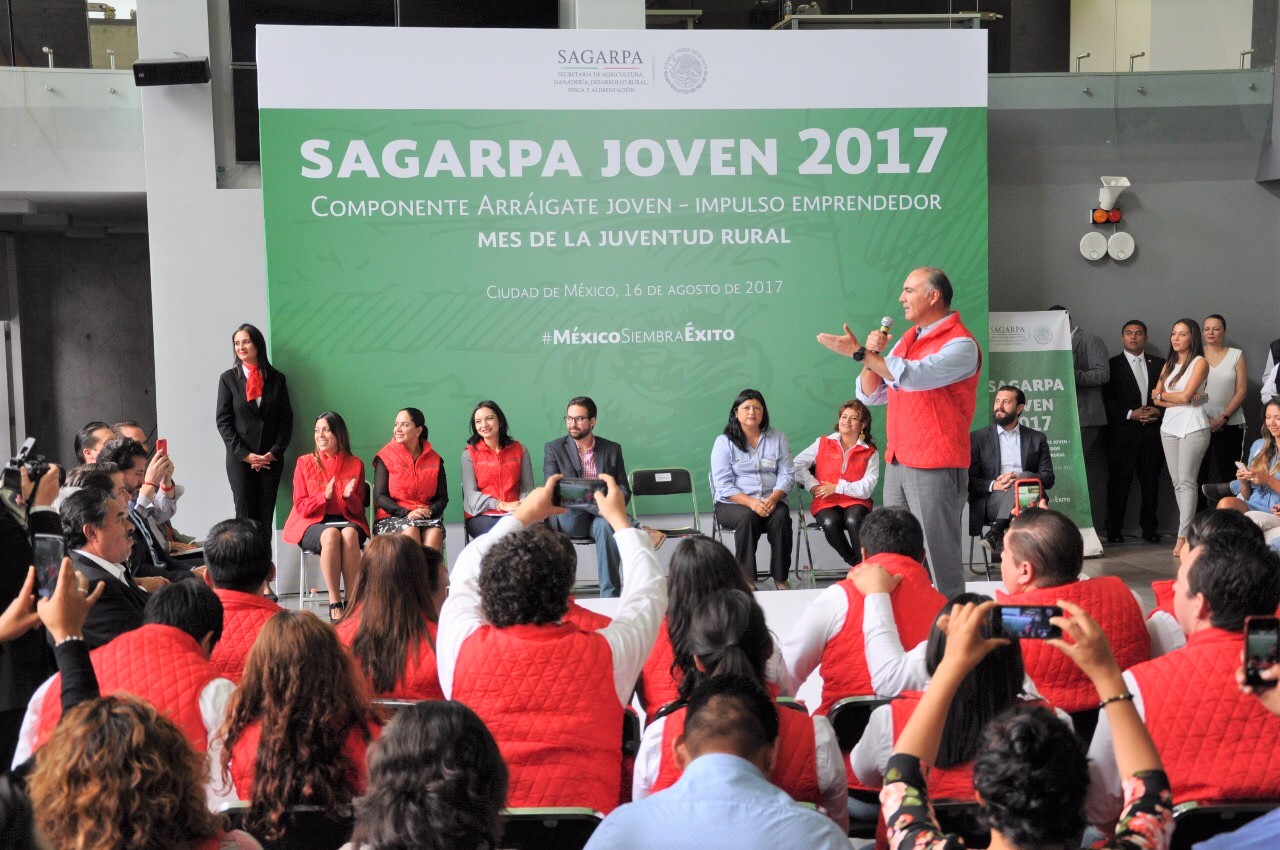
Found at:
<point>256,422</point>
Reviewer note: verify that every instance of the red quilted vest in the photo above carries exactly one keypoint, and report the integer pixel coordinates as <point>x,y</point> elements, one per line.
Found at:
<point>497,473</point>
<point>1163,591</point>
<point>795,767</point>
<point>658,685</point>
<point>916,603</point>
<point>1111,604</point>
<point>585,618</point>
<point>827,468</point>
<point>421,681</point>
<point>162,664</point>
<point>410,482</point>
<point>547,695</point>
<point>1216,743</point>
<point>243,616</point>
<point>929,429</point>
<point>244,758</point>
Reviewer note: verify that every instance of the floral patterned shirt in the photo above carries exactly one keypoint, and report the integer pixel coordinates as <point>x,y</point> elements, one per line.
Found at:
<point>1147,822</point>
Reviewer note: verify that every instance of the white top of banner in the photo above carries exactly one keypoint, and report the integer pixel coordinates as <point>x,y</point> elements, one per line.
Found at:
<point>1042,330</point>
<point>417,68</point>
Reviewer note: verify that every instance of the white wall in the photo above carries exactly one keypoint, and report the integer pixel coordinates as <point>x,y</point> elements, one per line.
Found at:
<point>1192,35</point>
<point>208,265</point>
<point>1110,30</point>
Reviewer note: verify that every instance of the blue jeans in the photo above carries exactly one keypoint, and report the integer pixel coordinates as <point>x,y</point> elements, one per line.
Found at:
<point>586,524</point>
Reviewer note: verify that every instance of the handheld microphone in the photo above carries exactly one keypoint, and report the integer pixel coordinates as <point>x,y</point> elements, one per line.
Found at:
<point>885,324</point>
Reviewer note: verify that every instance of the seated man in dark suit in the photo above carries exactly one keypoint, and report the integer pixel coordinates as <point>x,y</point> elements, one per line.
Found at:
<point>584,455</point>
<point>99,538</point>
<point>1000,455</point>
<point>150,555</point>
<point>1133,433</point>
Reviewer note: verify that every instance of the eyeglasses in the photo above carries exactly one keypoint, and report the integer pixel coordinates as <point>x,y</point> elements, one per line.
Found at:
<point>573,420</point>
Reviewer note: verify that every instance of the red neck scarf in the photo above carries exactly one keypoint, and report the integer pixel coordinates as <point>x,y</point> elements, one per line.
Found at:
<point>253,384</point>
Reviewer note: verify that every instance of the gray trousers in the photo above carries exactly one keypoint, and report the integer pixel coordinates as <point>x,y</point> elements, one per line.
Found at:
<point>936,497</point>
<point>1183,455</point>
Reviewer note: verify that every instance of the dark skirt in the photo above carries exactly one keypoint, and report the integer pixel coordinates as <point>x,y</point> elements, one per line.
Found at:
<point>311,537</point>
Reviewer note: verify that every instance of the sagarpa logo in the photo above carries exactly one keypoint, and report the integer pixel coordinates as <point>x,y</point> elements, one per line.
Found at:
<point>685,70</point>
<point>1042,334</point>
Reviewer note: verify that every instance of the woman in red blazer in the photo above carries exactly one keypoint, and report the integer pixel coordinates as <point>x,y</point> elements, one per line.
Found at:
<point>328,508</point>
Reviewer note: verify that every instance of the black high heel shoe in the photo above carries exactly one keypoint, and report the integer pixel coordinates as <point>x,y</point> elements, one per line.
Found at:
<point>335,611</point>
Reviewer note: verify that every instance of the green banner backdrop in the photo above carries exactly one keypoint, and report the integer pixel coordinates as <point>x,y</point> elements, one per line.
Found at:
<point>658,260</point>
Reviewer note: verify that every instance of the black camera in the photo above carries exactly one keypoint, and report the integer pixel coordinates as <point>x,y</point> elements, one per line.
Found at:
<point>13,497</point>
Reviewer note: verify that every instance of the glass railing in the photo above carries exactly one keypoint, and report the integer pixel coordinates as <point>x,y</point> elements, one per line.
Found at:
<point>1029,37</point>
<point>68,34</point>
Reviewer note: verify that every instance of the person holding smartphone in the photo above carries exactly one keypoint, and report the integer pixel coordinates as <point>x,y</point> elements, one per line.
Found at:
<point>1030,771</point>
<point>1001,455</point>
<point>1216,743</point>
<point>1257,484</point>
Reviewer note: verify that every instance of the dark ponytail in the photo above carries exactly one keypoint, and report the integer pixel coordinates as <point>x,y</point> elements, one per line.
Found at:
<point>727,637</point>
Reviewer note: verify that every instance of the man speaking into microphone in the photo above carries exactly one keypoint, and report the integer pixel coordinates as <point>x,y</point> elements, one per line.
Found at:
<point>930,382</point>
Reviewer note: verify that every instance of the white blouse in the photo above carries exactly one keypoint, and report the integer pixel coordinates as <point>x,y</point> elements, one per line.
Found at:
<point>1221,385</point>
<point>1183,419</point>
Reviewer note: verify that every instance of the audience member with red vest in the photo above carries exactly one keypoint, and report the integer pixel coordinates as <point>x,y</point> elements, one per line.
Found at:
<point>1162,623</point>
<point>118,773</point>
<point>238,556</point>
<point>846,467</point>
<point>328,508</point>
<point>1042,559</point>
<point>436,781</point>
<point>1030,773</point>
<point>552,694</point>
<point>723,800</point>
<point>930,383</point>
<point>391,627</point>
<point>996,685</point>
<point>497,472</point>
<point>833,630</point>
<point>409,487</point>
<point>1216,742</point>
<point>165,661</point>
<point>728,637</point>
<point>699,567</point>
<point>1263,833</point>
<point>298,727</point>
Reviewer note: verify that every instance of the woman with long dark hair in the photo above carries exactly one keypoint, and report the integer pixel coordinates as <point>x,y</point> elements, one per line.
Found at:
<point>298,726</point>
<point>255,420</point>
<point>990,688</point>
<point>1184,430</point>
<point>391,625</point>
<point>728,637</point>
<point>409,487</point>
<point>328,508</point>
<point>436,782</point>
<point>751,469</point>
<point>497,472</point>
<point>846,467</point>
<point>699,568</point>
<point>116,774</point>
<point>1257,485</point>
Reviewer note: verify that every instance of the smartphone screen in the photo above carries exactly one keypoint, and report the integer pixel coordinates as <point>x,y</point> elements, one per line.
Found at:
<point>1025,621</point>
<point>48,551</point>
<point>575,492</point>
<point>1260,649</point>
<point>1028,496</point>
